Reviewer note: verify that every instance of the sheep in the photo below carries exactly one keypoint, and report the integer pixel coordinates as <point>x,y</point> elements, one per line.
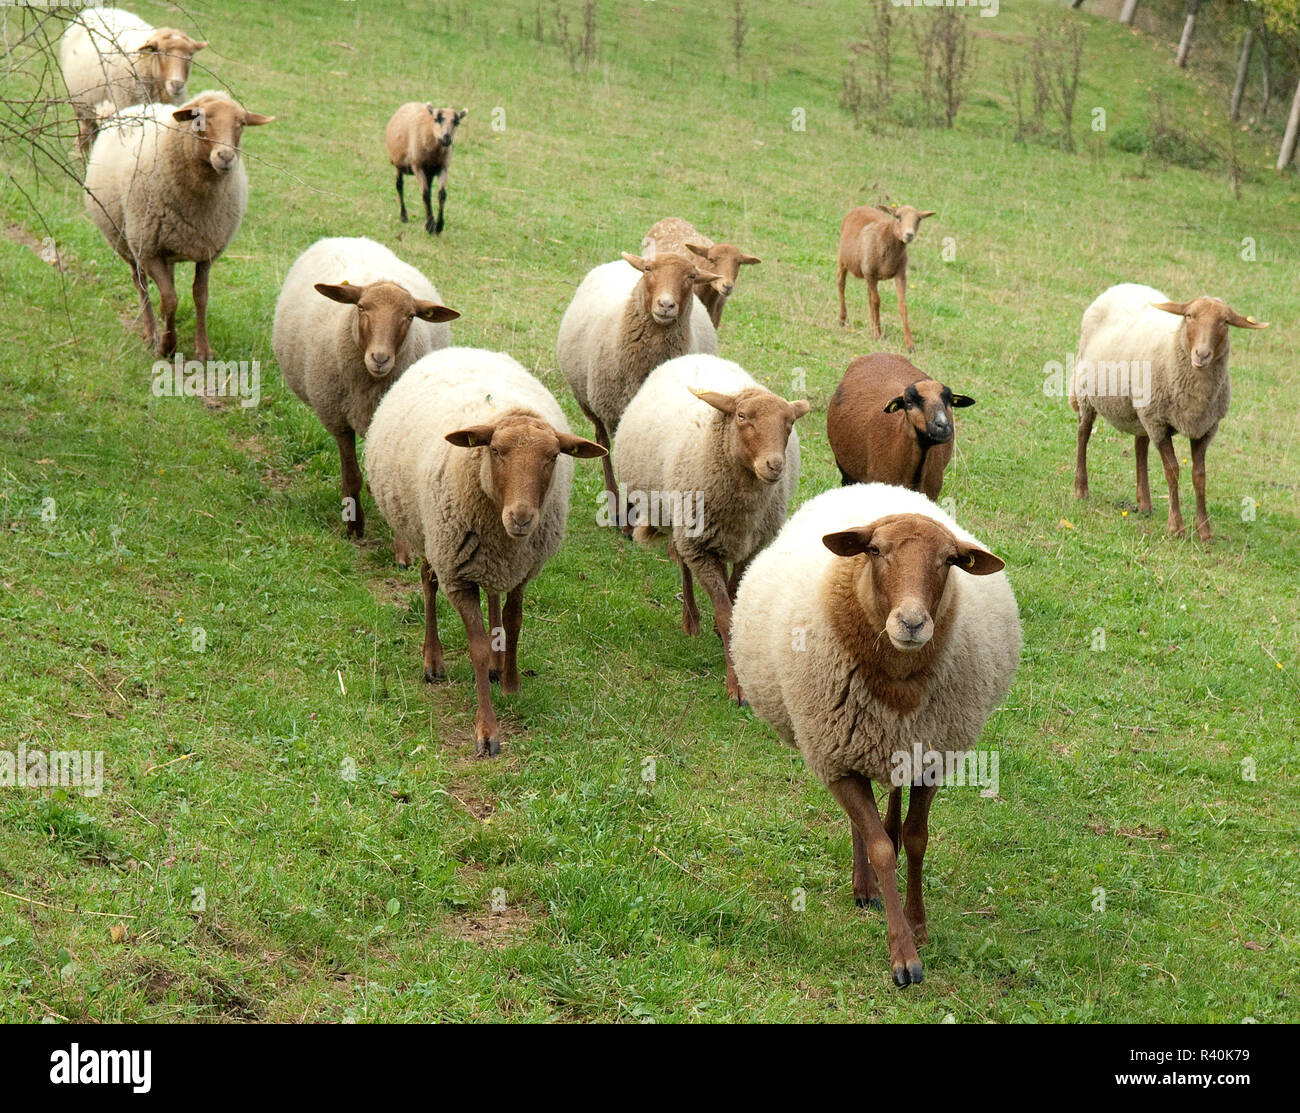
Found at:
<point>890,423</point>
<point>705,448</point>
<point>108,54</point>
<point>350,319</point>
<point>165,184</point>
<point>624,321</point>
<point>725,260</point>
<point>857,642</point>
<point>418,138</point>
<point>1153,367</point>
<point>468,458</point>
<point>873,245</point>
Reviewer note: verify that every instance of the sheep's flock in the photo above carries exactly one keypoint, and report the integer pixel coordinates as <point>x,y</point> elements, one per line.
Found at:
<point>868,621</point>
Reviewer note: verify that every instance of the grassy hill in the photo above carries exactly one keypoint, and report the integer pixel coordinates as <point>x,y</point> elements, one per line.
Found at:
<point>292,824</point>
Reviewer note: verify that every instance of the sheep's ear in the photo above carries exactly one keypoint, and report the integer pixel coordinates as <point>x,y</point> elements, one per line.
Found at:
<point>182,115</point>
<point>976,561</point>
<point>348,295</point>
<point>748,260</point>
<point>895,404</point>
<point>928,212</point>
<point>705,276</point>
<point>1176,307</point>
<point>472,437</point>
<point>800,408</point>
<point>432,311</point>
<point>698,249</point>
<point>886,210</point>
<point>634,260</point>
<point>724,402</point>
<point>253,119</point>
<point>1235,318</point>
<point>580,447</point>
<point>461,114</point>
<point>849,542</point>
<point>959,400</point>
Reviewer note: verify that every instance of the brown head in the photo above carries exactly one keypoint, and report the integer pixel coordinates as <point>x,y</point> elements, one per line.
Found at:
<point>214,125</point>
<point>905,561</point>
<point>724,260</point>
<point>519,451</point>
<point>1207,322</point>
<point>165,57</point>
<point>757,426</point>
<point>927,405</point>
<point>384,314</point>
<point>906,220</point>
<point>668,283</point>
<point>445,123</point>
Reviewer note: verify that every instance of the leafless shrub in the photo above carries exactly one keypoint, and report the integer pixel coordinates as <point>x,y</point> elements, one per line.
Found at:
<point>955,60</point>
<point>739,29</point>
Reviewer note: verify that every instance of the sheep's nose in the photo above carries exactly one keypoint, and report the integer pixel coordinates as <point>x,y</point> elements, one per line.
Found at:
<point>940,428</point>
<point>771,468</point>
<point>1202,355</point>
<point>727,287</point>
<point>380,360</point>
<point>223,159</point>
<point>667,305</point>
<point>912,618</point>
<point>909,237</point>
<point>175,87</point>
<point>519,520</point>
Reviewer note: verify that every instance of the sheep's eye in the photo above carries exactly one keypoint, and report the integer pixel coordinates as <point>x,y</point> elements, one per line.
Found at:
<point>873,550</point>
<point>740,415</point>
<point>494,450</point>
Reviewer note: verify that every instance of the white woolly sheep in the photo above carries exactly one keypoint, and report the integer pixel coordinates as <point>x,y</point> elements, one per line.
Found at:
<point>108,54</point>
<point>873,246</point>
<point>625,320</point>
<point>708,454</point>
<point>165,185</point>
<point>468,458</point>
<point>673,234</point>
<point>418,138</point>
<point>350,319</point>
<point>871,628</point>
<point>1153,368</point>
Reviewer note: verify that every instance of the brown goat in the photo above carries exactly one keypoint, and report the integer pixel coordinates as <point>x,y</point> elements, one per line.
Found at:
<point>418,138</point>
<point>725,260</point>
<point>888,422</point>
<point>873,246</point>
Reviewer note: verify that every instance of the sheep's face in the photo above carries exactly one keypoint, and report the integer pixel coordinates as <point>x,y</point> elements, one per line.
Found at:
<point>906,220</point>
<point>904,573</point>
<point>518,463</point>
<point>216,124</point>
<point>668,282</point>
<point>758,427</point>
<point>384,314</point>
<point>927,407</point>
<point>724,260</point>
<point>1207,321</point>
<point>170,52</point>
<point>445,123</point>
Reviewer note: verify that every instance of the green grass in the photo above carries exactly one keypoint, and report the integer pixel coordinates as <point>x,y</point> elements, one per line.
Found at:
<point>257,876</point>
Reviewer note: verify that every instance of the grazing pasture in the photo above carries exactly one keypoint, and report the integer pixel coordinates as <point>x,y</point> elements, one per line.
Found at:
<point>293,826</point>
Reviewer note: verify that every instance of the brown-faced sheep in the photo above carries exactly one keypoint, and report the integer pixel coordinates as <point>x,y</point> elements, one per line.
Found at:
<point>1152,368</point>
<point>725,260</point>
<point>873,246</point>
<point>418,138</point>
<point>888,422</point>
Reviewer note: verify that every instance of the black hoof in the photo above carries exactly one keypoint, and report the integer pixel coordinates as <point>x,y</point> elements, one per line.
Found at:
<point>430,676</point>
<point>402,218</point>
<point>914,972</point>
<point>901,978</point>
<point>741,702</point>
<point>402,566</point>
<point>437,228</point>
<point>487,747</point>
<point>429,228</point>
<point>494,677</point>
<point>871,902</point>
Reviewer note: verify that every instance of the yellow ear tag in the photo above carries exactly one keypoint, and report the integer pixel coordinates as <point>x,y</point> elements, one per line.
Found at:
<point>970,560</point>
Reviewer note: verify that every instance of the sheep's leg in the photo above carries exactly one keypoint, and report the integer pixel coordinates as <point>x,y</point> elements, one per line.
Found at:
<point>840,278</point>
<point>1169,458</point>
<point>733,582</point>
<point>351,483</point>
<point>1203,530</point>
<point>442,200</point>
<point>1140,446</point>
<point>873,304</point>
<point>514,620</point>
<point>611,488</point>
<point>401,198</point>
<point>434,666</point>
<point>487,732</point>
<point>894,816</point>
<point>422,180</point>
<point>498,633</point>
<point>202,349</point>
<point>1086,419</point>
<point>866,889</point>
<point>141,281</point>
<point>855,797</point>
<point>163,274</point>
<point>712,574</point>
<point>916,836</point>
<point>690,612</point>
<point>900,286</point>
